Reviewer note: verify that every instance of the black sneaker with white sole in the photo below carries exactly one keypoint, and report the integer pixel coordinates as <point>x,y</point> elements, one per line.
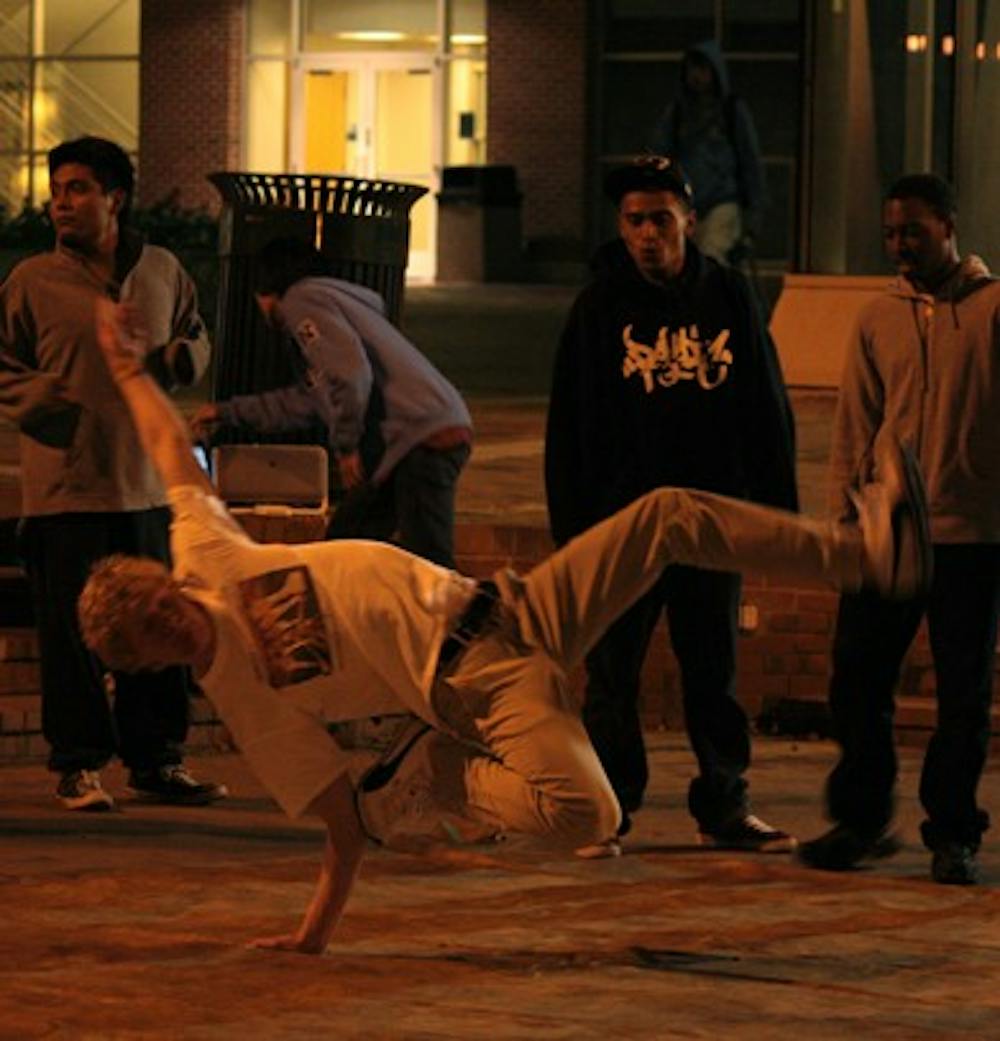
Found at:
<point>174,785</point>
<point>82,790</point>
<point>748,833</point>
<point>954,864</point>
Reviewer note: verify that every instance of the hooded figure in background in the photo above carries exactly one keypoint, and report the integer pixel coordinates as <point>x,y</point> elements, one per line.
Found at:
<point>711,132</point>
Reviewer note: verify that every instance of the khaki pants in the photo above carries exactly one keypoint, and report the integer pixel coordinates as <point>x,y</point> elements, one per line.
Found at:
<point>523,761</point>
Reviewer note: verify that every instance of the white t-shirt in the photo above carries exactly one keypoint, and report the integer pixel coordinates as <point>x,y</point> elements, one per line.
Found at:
<point>309,635</point>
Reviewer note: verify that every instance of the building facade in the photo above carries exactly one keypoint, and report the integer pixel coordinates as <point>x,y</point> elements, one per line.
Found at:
<point>845,95</point>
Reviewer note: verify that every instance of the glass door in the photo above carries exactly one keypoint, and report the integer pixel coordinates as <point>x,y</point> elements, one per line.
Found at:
<point>372,115</point>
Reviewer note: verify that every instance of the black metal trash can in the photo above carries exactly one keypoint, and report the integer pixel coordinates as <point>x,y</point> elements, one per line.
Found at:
<point>479,225</point>
<point>362,227</point>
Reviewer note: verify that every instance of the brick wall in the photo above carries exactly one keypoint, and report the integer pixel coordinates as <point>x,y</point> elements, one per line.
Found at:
<point>190,97</point>
<point>537,106</point>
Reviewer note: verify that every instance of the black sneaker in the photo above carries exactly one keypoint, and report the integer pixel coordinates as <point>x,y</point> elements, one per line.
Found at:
<point>955,865</point>
<point>82,790</point>
<point>842,848</point>
<point>174,785</point>
<point>748,833</point>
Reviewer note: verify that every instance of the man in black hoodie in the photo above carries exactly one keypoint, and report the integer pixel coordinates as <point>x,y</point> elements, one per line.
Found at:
<point>666,375</point>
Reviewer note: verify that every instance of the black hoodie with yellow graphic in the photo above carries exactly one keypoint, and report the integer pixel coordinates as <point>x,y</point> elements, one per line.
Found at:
<point>675,384</point>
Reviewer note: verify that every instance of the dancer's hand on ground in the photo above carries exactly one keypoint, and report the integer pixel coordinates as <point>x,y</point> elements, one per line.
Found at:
<point>287,942</point>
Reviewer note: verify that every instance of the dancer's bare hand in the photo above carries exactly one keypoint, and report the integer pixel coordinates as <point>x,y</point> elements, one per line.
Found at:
<point>287,942</point>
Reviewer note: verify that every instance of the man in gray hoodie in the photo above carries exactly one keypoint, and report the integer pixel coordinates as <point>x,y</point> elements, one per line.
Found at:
<point>88,488</point>
<point>923,366</point>
<point>369,386</point>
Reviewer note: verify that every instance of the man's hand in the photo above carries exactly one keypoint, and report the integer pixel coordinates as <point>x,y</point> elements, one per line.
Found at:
<point>204,421</point>
<point>352,472</point>
<point>288,942</point>
<point>122,337</point>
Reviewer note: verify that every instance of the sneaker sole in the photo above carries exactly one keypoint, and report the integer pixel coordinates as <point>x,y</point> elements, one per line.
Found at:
<point>88,803</point>
<point>204,799</point>
<point>786,844</point>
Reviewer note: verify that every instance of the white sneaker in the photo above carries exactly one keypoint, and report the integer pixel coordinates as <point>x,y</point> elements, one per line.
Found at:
<point>601,850</point>
<point>892,517</point>
<point>82,790</point>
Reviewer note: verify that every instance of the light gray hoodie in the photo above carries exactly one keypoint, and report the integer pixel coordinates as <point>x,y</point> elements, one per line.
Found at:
<point>927,368</point>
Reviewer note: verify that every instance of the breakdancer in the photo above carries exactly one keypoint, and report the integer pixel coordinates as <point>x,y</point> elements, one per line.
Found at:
<point>393,697</point>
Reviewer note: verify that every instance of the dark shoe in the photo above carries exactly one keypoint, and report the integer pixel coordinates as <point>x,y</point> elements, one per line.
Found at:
<point>842,848</point>
<point>82,790</point>
<point>955,865</point>
<point>174,785</point>
<point>892,516</point>
<point>748,833</point>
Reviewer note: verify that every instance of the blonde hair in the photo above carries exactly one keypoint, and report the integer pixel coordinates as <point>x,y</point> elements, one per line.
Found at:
<point>118,589</point>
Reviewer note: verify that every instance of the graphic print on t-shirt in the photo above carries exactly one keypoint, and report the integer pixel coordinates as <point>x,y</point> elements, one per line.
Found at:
<point>283,612</point>
<point>677,356</point>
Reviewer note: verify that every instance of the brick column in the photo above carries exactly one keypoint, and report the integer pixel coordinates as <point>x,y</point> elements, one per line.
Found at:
<point>190,97</point>
<point>537,109</point>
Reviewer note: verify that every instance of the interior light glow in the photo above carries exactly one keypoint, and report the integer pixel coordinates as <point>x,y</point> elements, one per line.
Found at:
<point>471,39</point>
<point>372,36</point>
<point>916,43</point>
<point>947,46</point>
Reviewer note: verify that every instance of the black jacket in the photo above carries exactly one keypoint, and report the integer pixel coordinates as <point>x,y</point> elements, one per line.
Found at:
<point>664,385</point>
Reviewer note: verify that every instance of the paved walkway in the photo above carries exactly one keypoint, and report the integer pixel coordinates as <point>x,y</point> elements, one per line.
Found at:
<point>131,926</point>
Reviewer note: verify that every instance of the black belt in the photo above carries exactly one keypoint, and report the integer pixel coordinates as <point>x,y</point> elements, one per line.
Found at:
<point>471,623</point>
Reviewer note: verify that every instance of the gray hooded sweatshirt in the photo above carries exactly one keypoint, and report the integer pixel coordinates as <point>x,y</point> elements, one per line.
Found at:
<point>927,369</point>
<point>349,347</point>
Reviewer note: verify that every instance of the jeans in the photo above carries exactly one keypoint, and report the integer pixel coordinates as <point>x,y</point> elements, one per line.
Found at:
<point>702,609</point>
<point>871,639</point>
<point>526,763</point>
<point>414,506</point>
<point>147,720</point>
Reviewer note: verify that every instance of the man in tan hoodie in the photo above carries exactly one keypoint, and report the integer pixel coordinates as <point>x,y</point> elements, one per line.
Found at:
<point>925,366</point>
<point>88,488</point>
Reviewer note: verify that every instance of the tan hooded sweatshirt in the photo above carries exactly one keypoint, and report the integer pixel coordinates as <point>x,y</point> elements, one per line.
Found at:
<point>80,452</point>
<point>927,369</point>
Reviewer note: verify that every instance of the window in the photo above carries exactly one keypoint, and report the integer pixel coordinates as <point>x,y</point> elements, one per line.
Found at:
<point>66,69</point>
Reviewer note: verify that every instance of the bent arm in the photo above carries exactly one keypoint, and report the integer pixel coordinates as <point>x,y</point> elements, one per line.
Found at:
<point>35,401</point>
<point>162,430</point>
<point>345,847</point>
<point>184,358</point>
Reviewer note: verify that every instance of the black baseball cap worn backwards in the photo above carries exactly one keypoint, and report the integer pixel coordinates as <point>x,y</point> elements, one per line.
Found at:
<point>647,173</point>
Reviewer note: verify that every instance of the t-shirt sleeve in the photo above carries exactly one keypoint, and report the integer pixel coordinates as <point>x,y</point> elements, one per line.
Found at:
<point>203,535</point>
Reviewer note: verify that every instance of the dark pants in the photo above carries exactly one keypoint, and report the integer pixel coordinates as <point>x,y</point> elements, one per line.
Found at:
<point>702,609</point>
<point>148,721</point>
<point>414,507</point>
<point>871,640</point>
